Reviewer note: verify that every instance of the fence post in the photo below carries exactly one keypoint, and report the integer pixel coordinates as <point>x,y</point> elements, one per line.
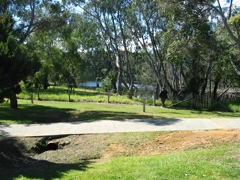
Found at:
<point>69,98</point>
<point>38,93</point>
<point>208,102</point>
<point>144,104</point>
<point>108,96</point>
<point>31,97</point>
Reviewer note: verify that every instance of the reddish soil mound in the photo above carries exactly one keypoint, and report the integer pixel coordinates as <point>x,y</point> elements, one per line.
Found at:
<point>175,141</point>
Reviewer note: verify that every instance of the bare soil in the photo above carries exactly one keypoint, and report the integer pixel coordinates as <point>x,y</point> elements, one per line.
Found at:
<point>103,147</point>
<point>177,141</point>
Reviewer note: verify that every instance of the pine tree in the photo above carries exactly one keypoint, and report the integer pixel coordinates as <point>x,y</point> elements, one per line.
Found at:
<point>15,61</point>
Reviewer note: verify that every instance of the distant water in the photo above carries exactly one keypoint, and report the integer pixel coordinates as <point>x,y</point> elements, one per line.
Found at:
<point>90,84</point>
<point>94,84</point>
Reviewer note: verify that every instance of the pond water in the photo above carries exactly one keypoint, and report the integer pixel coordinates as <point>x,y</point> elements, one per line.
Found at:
<point>90,84</point>
<point>94,84</point>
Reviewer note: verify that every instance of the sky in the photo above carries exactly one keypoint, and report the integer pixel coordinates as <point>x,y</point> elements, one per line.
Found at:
<point>226,2</point>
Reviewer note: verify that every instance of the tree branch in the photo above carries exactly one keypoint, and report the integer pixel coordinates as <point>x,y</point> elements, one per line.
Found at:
<point>230,9</point>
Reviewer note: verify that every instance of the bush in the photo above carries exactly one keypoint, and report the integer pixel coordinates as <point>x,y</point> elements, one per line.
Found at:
<point>225,106</point>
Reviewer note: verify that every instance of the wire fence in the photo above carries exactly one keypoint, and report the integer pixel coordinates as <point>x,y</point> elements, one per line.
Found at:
<point>205,101</point>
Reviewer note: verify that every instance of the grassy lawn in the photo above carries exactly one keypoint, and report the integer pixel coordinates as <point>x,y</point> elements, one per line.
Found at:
<point>77,95</point>
<point>91,105</point>
<point>58,111</point>
<point>200,164</point>
<point>146,155</point>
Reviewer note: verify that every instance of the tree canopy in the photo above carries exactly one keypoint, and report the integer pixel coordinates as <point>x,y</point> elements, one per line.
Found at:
<point>187,46</point>
<point>16,62</point>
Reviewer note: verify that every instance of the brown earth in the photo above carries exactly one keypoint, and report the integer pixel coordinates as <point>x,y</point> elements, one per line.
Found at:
<point>106,146</point>
<point>176,141</point>
<point>102,147</point>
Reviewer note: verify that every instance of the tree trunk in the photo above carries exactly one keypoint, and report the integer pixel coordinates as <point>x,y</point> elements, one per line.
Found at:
<point>13,101</point>
<point>119,74</point>
<point>114,84</point>
<point>206,77</point>
<point>45,85</point>
<point>119,82</point>
<point>216,83</point>
<point>219,97</point>
<point>129,68</point>
<point>230,32</point>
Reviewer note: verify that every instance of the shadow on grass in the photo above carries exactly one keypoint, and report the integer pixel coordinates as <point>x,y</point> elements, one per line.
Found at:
<point>218,113</point>
<point>109,115</point>
<point>90,116</point>
<point>43,170</point>
<point>33,114</point>
<point>30,114</point>
<point>15,163</point>
<point>224,112</point>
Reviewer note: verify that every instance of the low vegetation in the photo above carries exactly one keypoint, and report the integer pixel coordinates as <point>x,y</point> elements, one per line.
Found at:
<point>181,45</point>
<point>146,155</point>
<point>88,105</point>
<point>54,111</point>
<point>56,93</point>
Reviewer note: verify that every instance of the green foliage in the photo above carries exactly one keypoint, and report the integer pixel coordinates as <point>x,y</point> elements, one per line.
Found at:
<point>235,22</point>
<point>61,63</point>
<point>16,63</point>
<point>226,107</point>
<point>106,84</point>
<point>148,42</point>
<point>191,45</point>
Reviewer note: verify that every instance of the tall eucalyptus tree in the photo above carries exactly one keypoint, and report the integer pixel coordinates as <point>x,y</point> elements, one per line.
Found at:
<point>58,50</point>
<point>98,61</point>
<point>147,25</point>
<point>231,22</point>
<point>194,46</point>
<point>177,37</point>
<point>228,14</point>
<point>110,16</point>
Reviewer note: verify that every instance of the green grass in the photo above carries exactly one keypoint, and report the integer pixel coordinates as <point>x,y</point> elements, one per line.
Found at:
<point>221,161</point>
<point>214,163</point>
<point>56,111</point>
<point>226,106</point>
<point>206,164</point>
<point>77,95</point>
